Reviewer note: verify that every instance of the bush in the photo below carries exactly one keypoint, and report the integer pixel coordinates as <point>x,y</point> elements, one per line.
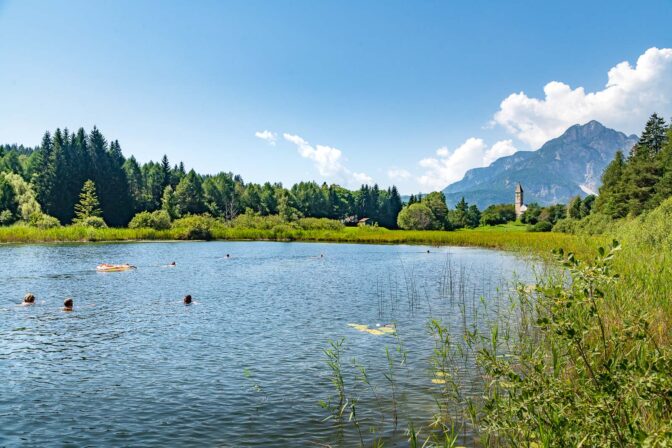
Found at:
<point>6,218</point>
<point>498,214</point>
<point>417,217</point>
<point>251,221</point>
<point>95,222</point>
<point>567,225</point>
<point>44,221</point>
<point>195,227</point>
<point>319,224</point>
<point>593,224</point>
<point>653,230</point>
<point>157,220</point>
<point>541,226</point>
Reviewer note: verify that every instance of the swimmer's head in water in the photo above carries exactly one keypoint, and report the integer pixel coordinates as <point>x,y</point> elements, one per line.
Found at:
<point>29,298</point>
<point>68,304</point>
<point>227,255</point>
<point>187,299</point>
<point>172,264</point>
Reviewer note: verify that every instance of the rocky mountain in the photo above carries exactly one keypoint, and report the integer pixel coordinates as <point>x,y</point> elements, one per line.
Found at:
<point>562,168</point>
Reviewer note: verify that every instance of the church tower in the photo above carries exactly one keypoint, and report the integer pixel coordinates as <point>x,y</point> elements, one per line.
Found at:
<point>519,204</point>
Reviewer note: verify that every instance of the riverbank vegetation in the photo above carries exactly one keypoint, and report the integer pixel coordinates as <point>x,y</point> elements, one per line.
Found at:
<point>581,357</point>
<point>508,237</point>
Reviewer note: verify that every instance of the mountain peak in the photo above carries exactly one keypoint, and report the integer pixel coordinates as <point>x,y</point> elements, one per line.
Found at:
<point>589,130</point>
<point>562,168</point>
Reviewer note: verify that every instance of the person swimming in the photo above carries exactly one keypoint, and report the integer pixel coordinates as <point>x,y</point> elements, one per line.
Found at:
<point>172,264</point>
<point>228,256</point>
<point>187,299</point>
<point>68,304</point>
<point>28,299</point>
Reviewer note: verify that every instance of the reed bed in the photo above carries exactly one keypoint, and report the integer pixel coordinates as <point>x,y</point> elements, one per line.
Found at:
<point>496,238</point>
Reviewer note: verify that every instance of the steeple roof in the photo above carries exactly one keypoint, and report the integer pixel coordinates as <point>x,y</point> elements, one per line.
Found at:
<point>519,188</point>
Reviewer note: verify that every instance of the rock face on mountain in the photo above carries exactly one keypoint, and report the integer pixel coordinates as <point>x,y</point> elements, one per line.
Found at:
<point>562,168</point>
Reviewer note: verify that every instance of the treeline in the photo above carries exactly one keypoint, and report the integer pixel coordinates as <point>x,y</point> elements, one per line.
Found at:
<point>57,170</point>
<point>430,212</point>
<point>643,180</point>
<point>632,184</point>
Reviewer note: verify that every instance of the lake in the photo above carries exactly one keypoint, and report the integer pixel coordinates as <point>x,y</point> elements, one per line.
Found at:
<point>244,364</point>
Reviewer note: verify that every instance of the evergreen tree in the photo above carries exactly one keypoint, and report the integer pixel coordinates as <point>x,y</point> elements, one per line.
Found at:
<point>88,204</point>
<point>166,171</point>
<point>473,217</point>
<point>189,195</point>
<point>611,200</point>
<point>43,177</point>
<point>116,199</point>
<point>654,135</point>
<point>135,185</point>
<point>458,218</point>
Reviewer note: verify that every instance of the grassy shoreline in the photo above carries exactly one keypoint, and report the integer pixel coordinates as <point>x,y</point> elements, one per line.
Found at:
<point>512,238</point>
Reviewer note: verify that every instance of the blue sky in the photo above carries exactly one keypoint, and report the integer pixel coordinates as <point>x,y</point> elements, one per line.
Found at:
<point>399,92</point>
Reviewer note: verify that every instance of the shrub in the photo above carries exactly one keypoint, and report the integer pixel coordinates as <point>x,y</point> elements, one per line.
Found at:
<point>195,227</point>
<point>6,218</point>
<point>578,378</point>
<point>498,214</point>
<point>651,230</point>
<point>417,217</point>
<point>319,224</point>
<point>567,225</point>
<point>251,221</point>
<point>44,221</point>
<point>541,226</point>
<point>95,222</point>
<point>157,220</point>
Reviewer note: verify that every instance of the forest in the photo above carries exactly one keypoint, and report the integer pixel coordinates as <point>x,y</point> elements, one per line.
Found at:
<point>69,167</point>
<point>84,179</point>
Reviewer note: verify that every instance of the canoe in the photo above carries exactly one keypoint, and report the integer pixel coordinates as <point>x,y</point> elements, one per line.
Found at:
<point>114,267</point>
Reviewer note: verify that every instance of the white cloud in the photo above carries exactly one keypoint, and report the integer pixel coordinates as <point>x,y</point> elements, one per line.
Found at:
<point>450,166</point>
<point>398,173</point>
<point>629,97</point>
<point>328,161</point>
<point>501,148</point>
<point>268,136</point>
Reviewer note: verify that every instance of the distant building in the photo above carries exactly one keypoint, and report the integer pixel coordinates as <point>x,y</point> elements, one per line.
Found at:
<point>519,204</point>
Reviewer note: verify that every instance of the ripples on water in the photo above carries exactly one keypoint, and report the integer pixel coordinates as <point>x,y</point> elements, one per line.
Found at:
<point>243,365</point>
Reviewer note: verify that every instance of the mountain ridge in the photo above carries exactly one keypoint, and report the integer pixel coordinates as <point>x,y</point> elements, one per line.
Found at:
<point>566,166</point>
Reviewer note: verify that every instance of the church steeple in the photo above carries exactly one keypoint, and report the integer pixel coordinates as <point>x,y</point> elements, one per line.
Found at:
<point>519,204</point>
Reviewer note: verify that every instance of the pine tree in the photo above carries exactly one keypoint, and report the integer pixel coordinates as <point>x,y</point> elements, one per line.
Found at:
<point>88,204</point>
<point>165,169</point>
<point>42,175</point>
<point>654,135</point>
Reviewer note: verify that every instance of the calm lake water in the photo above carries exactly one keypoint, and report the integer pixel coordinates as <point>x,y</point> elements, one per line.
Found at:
<point>243,365</point>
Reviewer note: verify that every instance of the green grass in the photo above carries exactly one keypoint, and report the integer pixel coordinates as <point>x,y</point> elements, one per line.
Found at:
<point>506,237</point>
